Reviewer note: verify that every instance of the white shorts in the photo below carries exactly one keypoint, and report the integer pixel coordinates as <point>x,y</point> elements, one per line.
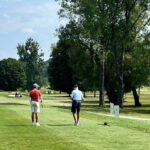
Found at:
<point>35,107</point>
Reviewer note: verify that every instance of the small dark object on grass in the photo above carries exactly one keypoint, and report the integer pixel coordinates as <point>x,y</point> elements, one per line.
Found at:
<point>105,123</point>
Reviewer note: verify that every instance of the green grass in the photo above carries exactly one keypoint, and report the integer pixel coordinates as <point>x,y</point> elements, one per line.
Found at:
<point>58,133</point>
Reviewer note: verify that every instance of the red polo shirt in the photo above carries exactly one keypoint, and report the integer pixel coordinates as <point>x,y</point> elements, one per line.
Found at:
<point>35,94</point>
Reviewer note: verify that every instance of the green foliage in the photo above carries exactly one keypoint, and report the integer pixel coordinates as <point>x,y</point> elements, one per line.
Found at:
<point>12,75</point>
<point>85,70</point>
<point>45,73</point>
<point>137,73</point>
<point>60,73</point>
<point>110,30</point>
<point>32,60</point>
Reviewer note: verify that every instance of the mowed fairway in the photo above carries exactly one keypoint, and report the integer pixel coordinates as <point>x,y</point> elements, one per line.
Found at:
<point>57,131</point>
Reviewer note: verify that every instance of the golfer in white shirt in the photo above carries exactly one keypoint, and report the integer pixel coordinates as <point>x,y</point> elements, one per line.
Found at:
<point>77,97</point>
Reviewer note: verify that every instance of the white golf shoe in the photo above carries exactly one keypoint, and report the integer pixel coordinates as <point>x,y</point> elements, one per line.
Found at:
<point>37,124</point>
<point>77,124</point>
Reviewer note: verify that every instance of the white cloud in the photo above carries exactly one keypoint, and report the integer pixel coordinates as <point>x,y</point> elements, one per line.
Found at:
<point>21,19</point>
<point>29,31</point>
<point>5,16</point>
<point>41,16</point>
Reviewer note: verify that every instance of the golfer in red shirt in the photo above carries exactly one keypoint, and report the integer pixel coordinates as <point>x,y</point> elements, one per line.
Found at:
<point>36,98</point>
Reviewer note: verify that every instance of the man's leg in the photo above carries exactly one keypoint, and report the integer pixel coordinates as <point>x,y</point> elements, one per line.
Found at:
<point>32,112</point>
<point>32,118</point>
<point>73,110</point>
<point>36,117</point>
<point>78,117</point>
<point>78,112</point>
<point>37,110</point>
<point>74,117</point>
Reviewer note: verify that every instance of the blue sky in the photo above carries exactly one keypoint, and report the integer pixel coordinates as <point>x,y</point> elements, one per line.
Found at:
<point>21,19</point>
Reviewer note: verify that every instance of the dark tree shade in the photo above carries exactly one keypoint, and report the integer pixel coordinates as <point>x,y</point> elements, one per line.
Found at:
<point>12,75</point>
<point>60,74</point>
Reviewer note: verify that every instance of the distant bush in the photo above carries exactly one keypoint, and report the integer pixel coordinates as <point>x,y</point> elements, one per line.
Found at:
<point>12,75</point>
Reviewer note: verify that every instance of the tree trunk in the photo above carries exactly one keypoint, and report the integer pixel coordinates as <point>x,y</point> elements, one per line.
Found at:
<point>136,97</point>
<point>120,92</point>
<point>119,70</point>
<point>84,94</point>
<point>101,94</point>
<point>94,93</point>
<point>139,92</point>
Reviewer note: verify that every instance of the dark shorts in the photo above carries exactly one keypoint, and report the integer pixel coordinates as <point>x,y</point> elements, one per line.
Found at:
<point>75,106</point>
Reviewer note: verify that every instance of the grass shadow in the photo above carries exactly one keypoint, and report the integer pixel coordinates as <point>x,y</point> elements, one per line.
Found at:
<point>60,125</point>
<point>62,107</point>
<point>132,106</point>
<point>102,124</point>
<point>48,95</point>
<point>19,104</point>
<point>16,125</point>
<point>92,106</point>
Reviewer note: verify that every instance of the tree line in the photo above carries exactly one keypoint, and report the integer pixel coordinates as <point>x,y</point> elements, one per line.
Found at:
<point>28,69</point>
<point>105,46</point>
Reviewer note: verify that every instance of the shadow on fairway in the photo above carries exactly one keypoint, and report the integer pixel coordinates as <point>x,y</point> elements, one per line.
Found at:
<point>58,96</point>
<point>62,107</point>
<point>132,106</point>
<point>13,104</point>
<point>60,125</point>
<point>16,125</point>
<point>91,106</point>
<point>139,111</point>
<point>25,125</point>
<point>102,124</point>
<point>68,102</point>
<point>94,102</point>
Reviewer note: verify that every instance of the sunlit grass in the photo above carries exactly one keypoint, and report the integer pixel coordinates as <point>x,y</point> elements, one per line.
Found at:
<point>57,131</point>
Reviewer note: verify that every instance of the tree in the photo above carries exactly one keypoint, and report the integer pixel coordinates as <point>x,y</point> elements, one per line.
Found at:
<point>45,73</point>
<point>12,75</point>
<point>60,73</point>
<point>114,26</point>
<point>81,57</point>
<point>32,61</point>
<point>136,73</point>
<point>86,32</point>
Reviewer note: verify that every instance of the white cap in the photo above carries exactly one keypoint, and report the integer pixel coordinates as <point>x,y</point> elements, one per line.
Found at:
<point>36,85</point>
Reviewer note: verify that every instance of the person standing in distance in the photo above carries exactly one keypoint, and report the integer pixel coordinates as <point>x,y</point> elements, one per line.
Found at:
<point>77,98</point>
<point>36,98</point>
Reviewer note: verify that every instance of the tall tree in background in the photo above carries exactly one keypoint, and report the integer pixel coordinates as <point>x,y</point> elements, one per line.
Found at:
<point>86,27</point>
<point>81,57</point>
<point>60,73</point>
<point>31,58</point>
<point>114,26</point>
<point>137,73</point>
<point>12,75</point>
<point>45,73</point>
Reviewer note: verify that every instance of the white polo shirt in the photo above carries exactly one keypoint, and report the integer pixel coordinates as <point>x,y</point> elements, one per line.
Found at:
<point>76,95</point>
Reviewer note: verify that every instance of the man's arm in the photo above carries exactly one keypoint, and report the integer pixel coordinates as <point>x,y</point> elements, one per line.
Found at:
<point>29,98</point>
<point>71,95</point>
<point>82,97</point>
<point>41,100</point>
